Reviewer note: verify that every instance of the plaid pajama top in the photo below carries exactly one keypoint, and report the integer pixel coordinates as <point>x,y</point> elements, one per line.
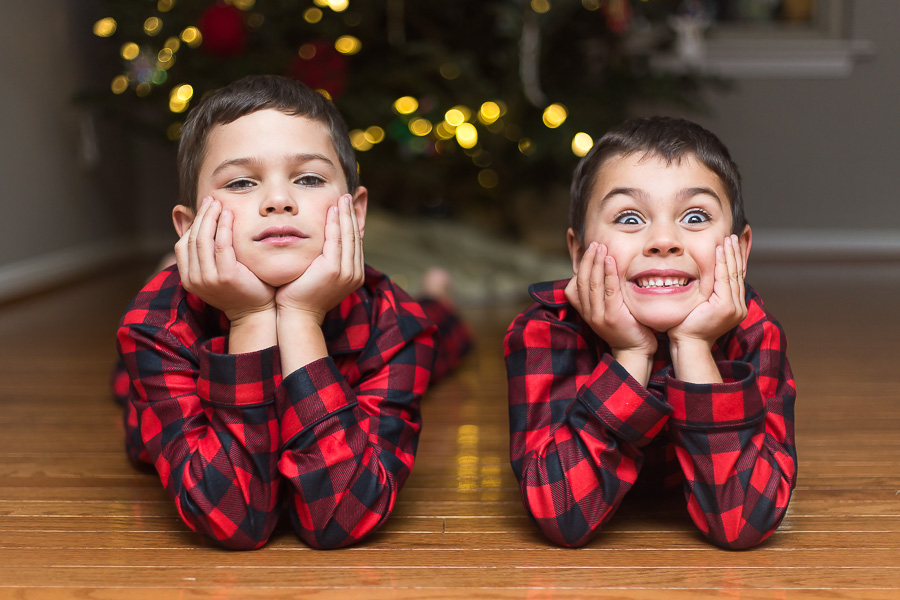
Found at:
<point>582,429</point>
<point>231,439</point>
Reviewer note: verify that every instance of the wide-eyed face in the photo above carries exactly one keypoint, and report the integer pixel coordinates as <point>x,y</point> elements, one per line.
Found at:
<point>279,174</point>
<point>661,223</point>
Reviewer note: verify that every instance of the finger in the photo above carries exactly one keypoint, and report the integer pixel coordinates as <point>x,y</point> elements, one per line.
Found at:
<point>598,278</point>
<point>732,259</point>
<point>348,239</point>
<point>224,254</point>
<point>193,232</point>
<point>584,277</point>
<point>721,281</point>
<point>332,245</point>
<point>206,241</point>
<point>613,296</point>
<point>359,261</point>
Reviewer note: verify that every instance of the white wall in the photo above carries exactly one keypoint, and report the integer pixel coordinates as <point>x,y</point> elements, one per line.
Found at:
<point>820,154</point>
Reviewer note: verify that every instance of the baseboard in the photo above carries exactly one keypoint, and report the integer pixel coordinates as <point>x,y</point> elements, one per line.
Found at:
<point>826,245</point>
<point>49,270</point>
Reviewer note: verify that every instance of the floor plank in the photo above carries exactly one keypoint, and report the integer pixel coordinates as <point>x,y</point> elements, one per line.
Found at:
<point>78,520</point>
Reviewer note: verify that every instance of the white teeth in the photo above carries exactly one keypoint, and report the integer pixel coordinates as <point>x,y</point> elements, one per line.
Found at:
<point>660,282</point>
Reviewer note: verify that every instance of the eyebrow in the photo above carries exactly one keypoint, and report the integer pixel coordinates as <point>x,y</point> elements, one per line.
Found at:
<point>639,194</point>
<point>300,158</point>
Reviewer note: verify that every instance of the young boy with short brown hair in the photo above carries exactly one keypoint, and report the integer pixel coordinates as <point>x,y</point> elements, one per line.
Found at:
<point>272,365</point>
<point>654,364</point>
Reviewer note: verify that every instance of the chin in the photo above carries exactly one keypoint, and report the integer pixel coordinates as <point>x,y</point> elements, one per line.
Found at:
<point>279,277</point>
<point>660,322</point>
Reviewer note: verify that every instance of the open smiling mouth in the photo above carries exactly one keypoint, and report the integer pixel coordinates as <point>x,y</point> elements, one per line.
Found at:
<point>661,282</point>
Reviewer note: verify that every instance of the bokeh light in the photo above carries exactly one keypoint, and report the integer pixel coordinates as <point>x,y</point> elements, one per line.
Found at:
<point>582,143</point>
<point>130,51</point>
<point>348,44</point>
<point>466,135</point>
<point>191,36</point>
<point>555,115</point>
<point>152,26</point>
<point>105,27</point>
<point>406,105</point>
<point>420,127</point>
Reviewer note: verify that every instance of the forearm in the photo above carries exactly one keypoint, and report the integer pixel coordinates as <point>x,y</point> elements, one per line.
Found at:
<point>734,441</point>
<point>348,449</point>
<point>574,468</point>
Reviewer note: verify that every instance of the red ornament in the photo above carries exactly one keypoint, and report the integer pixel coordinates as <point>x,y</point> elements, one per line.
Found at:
<point>223,29</point>
<point>324,68</point>
<point>618,15</point>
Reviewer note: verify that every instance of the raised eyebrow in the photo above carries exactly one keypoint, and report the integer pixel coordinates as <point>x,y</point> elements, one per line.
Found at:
<point>688,193</point>
<point>636,193</point>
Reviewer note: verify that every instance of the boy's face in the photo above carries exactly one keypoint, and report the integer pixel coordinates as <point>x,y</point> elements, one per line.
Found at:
<point>661,223</point>
<point>279,174</point>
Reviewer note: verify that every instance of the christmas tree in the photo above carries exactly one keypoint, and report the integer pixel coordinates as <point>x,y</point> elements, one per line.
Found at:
<point>456,107</point>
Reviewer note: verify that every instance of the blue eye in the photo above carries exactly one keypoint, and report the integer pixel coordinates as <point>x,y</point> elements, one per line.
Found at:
<point>696,217</point>
<point>629,218</point>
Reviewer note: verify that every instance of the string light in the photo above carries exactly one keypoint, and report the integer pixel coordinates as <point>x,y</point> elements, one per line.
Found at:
<point>360,141</point>
<point>192,37</point>
<point>540,6</point>
<point>130,51</point>
<point>489,112</point>
<point>420,127</point>
<point>152,26</point>
<point>312,15</point>
<point>374,134</point>
<point>466,135</point>
<point>105,27</point>
<point>582,144</point>
<point>348,44</point>
<point>555,115</point>
<point>406,105</point>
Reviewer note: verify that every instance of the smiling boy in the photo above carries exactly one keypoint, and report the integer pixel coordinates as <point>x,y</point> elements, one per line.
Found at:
<point>272,367</point>
<point>654,364</point>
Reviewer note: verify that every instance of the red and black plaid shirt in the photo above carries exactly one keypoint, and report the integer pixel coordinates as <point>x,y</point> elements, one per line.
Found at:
<point>226,433</point>
<point>582,429</point>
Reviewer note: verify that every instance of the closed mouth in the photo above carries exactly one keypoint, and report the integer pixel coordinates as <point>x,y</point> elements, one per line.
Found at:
<point>280,233</point>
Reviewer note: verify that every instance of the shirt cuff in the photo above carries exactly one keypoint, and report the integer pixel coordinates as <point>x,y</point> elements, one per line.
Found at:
<point>236,379</point>
<point>311,394</point>
<point>735,402</point>
<point>624,405</point>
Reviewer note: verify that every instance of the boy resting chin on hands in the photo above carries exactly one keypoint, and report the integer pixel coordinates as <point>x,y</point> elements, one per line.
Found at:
<point>655,363</point>
<point>272,367</point>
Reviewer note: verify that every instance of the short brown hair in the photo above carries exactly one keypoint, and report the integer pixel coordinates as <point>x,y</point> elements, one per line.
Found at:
<point>668,138</point>
<point>246,96</point>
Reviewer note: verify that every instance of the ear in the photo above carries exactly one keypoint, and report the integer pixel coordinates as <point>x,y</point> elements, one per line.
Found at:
<point>360,204</point>
<point>576,249</point>
<point>745,241</point>
<point>182,218</point>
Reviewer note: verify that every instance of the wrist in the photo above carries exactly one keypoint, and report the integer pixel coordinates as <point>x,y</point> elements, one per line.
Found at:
<point>252,331</point>
<point>693,362</point>
<point>300,339</point>
<point>638,363</point>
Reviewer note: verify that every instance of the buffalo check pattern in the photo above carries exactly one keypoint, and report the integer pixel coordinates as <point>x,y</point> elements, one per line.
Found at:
<point>234,442</point>
<point>583,432</point>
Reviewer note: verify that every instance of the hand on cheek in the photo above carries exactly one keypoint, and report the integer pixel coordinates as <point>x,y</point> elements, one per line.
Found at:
<point>335,273</point>
<point>595,292</point>
<point>726,306</point>
<point>209,268</point>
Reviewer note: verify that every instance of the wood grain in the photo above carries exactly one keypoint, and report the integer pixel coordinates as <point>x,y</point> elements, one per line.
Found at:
<point>78,520</point>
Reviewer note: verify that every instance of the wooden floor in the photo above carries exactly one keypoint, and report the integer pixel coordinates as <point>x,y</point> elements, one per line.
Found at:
<point>77,520</point>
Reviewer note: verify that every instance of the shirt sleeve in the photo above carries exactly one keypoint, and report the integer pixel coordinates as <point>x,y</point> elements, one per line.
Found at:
<point>349,427</point>
<point>206,420</point>
<point>578,423</point>
<point>735,440</point>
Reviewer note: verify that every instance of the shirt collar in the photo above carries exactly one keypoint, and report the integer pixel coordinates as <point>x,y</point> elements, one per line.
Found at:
<point>550,293</point>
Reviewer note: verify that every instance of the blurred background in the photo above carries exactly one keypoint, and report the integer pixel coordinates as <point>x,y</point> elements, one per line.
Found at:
<point>468,117</point>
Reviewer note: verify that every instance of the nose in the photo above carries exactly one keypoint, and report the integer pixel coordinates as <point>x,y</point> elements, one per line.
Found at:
<point>278,199</point>
<point>664,240</point>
